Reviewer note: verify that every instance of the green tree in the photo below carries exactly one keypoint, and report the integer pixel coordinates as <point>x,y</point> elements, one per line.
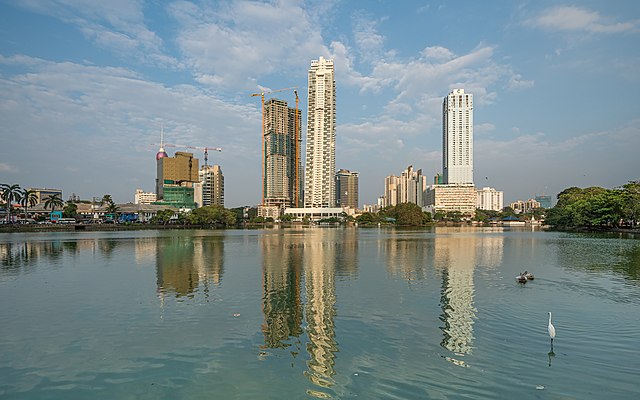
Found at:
<point>212,215</point>
<point>631,196</point>
<point>367,218</point>
<point>53,201</point>
<point>10,194</point>
<point>408,214</point>
<point>28,198</point>
<point>70,210</point>
<point>162,217</point>
<point>106,199</point>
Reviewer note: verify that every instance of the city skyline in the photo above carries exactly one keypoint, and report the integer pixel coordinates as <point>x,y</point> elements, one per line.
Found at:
<point>86,88</point>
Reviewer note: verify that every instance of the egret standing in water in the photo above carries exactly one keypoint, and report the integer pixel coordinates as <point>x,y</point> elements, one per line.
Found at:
<point>552,331</point>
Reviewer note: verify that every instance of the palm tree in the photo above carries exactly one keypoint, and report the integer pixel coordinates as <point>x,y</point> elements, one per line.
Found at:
<point>10,194</point>
<point>53,201</point>
<point>106,199</point>
<point>29,198</point>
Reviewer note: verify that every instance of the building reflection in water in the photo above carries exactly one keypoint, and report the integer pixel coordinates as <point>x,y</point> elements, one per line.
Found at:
<point>320,253</point>
<point>184,263</point>
<point>456,254</point>
<point>282,297</point>
<point>314,257</point>
<point>405,256</point>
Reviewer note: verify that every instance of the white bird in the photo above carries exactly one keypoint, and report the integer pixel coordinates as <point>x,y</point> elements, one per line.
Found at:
<point>552,331</point>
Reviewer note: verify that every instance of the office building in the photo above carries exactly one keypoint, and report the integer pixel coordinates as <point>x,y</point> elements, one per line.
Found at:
<point>490,199</point>
<point>142,197</point>
<point>347,189</point>
<point>452,198</point>
<point>457,138</point>
<point>320,165</point>
<point>281,158</point>
<point>212,185</point>
<point>42,194</point>
<point>545,201</point>
<point>180,170</point>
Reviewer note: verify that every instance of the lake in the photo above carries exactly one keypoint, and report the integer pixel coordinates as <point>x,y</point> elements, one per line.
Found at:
<point>319,313</point>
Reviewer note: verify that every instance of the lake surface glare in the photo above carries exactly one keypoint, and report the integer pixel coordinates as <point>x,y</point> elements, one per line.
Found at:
<point>319,313</point>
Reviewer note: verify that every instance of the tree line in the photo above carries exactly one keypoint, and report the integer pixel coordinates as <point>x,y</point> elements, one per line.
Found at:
<point>596,207</point>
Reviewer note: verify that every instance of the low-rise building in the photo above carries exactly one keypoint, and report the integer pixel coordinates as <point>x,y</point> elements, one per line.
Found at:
<point>451,197</point>
<point>142,197</point>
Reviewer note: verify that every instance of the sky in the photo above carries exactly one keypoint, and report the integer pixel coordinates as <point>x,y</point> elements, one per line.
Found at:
<point>86,86</point>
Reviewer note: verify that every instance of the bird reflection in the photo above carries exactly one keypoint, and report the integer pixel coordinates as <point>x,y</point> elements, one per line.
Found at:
<point>551,355</point>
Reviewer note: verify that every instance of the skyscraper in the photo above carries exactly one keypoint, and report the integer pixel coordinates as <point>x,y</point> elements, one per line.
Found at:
<point>320,166</point>
<point>281,154</point>
<point>457,137</point>
<point>347,189</point>
<point>212,185</point>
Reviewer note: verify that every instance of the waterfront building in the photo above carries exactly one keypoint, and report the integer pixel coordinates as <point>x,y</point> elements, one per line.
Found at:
<point>457,138</point>
<point>142,197</point>
<point>545,201</point>
<point>269,212</point>
<point>520,206</point>
<point>42,194</point>
<point>409,187</point>
<point>180,170</point>
<point>347,189</point>
<point>490,199</point>
<point>281,158</point>
<point>212,189</point>
<point>318,213</point>
<point>446,198</point>
<point>320,165</point>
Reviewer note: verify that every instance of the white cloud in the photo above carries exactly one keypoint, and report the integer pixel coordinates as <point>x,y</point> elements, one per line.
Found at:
<point>116,25</point>
<point>577,19</point>
<point>235,44</point>
<point>4,167</point>
<point>105,119</point>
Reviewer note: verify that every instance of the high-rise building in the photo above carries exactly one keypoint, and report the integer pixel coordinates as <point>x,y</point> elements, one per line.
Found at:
<point>212,185</point>
<point>320,166</point>
<point>457,138</point>
<point>282,171</point>
<point>490,199</point>
<point>180,170</point>
<point>347,189</point>
<point>409,187</point>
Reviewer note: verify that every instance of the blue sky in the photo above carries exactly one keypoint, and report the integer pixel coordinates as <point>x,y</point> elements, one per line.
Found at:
<point>85,87</point>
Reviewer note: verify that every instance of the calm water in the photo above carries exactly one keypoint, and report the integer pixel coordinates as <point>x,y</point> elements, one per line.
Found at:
<point>319,312</point>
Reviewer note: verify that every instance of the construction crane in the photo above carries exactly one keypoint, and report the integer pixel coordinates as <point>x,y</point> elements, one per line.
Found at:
<point>296,185</point>
<point>261,94</point>
<point>184,146</point>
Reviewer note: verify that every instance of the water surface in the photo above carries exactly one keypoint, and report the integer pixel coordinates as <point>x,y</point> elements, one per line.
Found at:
<point>318,313</point>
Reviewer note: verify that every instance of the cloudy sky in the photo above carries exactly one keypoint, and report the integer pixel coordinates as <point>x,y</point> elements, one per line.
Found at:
<point>85,87</point>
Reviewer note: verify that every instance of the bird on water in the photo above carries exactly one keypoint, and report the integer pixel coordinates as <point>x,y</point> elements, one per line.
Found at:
<point>552,331</point>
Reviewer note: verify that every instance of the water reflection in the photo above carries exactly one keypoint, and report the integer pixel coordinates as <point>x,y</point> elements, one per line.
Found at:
<point>319,267</point>
<point>282,297</point>
<point>184,262</point>
<point>455,255</point>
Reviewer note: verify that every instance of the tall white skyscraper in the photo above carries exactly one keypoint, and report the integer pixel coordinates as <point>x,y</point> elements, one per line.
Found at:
<point>320,165</point>
<point>457,138</point>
